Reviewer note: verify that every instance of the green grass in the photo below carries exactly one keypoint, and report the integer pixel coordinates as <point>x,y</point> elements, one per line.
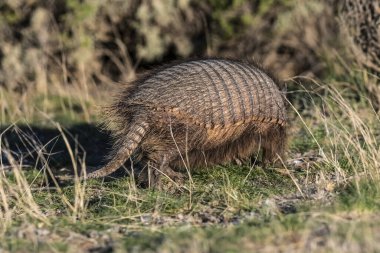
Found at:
<point>167,224</point>
<point>325,200</point>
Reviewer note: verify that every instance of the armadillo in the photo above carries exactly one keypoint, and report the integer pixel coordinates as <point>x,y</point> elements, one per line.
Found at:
<point>197,113</point>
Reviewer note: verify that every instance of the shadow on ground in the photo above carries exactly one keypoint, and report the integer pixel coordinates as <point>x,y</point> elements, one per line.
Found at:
<point>31,145</point>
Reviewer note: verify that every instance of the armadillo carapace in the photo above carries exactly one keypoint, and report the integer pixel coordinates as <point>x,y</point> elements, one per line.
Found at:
<point>197,113</point>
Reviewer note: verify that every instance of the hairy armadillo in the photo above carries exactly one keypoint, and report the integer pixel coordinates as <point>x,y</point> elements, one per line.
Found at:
<point>197,113</point>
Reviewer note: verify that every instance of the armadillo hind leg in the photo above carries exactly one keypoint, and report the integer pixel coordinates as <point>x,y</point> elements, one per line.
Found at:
<point>132,140</point>
<point>158,169</point>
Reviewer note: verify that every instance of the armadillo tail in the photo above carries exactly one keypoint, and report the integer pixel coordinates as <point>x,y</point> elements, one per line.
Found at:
<point>132,140</point>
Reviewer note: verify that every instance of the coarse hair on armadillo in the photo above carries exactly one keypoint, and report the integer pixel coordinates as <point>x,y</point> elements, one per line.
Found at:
<point>210,111</point>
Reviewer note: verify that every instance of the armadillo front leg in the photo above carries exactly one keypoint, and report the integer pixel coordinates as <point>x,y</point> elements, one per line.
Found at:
<point>268,157</point>
<point>273,147</point>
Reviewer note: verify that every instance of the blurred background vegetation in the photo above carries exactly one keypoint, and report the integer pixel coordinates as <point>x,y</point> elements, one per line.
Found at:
<point>60,41</point>
<point>59,60</point>
<point>59,54</point>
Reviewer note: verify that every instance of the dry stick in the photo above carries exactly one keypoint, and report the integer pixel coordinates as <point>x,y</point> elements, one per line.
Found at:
<point>1,145</point>
<point>58,188</point>
<point>125,53</point>
<point>291,176</point>
<point>51,174</point>
<point>302,120</point>
<point>183,160</point>
<point>308,129</point>
<point>360,127</point>
<point>4,210</point>
<point>10,158</point>
<point>26,194</point>
<point>78,189</point>
<point>366,132</point>
<point>251,167</point>
<point>188,164</point>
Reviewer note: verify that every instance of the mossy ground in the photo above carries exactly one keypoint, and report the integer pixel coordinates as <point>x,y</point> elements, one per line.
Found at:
<point>222,214</point>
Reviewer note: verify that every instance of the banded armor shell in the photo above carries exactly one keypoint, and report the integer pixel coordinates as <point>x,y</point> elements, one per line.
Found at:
<point>213,93</point>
